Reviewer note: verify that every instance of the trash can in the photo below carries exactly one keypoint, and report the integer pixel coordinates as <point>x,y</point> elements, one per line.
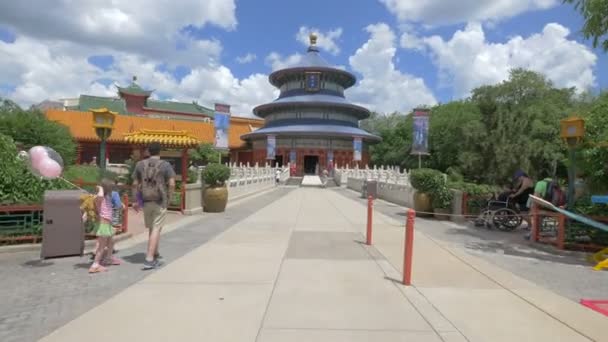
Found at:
<point>63,229</point>
<point>372,188</point>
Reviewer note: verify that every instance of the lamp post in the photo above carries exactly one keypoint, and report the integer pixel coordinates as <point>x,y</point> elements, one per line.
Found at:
<point>103,122</point>
<point>572,132</point>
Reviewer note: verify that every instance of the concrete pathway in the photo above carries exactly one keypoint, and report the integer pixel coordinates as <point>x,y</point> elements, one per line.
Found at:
<point>296,270</point>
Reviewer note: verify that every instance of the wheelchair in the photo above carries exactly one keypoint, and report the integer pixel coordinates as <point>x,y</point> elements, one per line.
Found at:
<point>502,215</point>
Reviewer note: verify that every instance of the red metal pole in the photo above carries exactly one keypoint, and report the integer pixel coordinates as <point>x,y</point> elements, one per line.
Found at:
<point>534,229</point>
<point>125,214</point>
<point>370,210</point>
<point>408,247</point>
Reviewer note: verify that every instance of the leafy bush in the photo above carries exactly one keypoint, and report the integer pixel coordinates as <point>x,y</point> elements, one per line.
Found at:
<point>205,154</point>
<point>31,128</point>
<point>442,197</point>
<point>88,173</point>
<point>472,189</point>
<point>17,183</point>
<point>426,180</point>
<point>192,176</point>
<point>216,174</point>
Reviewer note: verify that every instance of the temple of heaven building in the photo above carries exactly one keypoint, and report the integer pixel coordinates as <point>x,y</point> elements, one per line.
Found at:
<point>311,124</point>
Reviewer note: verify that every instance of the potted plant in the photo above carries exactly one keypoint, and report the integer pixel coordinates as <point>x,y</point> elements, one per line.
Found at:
<point>215,193</point>
<point>442,202</point>
<point>425,181</point>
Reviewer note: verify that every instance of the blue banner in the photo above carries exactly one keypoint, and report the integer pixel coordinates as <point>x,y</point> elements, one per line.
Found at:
<point>292,157</point>
<point>357,148</point>
<point>420,144</point>
<point>222,124</point>
<point>271,145</point>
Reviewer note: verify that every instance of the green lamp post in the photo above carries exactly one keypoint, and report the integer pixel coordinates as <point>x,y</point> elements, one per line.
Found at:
<point>103,122</point>
<point>572,132</point>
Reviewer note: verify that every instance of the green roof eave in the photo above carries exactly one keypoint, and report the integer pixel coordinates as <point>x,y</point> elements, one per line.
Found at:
<point>87,102</point>
<point>180,107</point>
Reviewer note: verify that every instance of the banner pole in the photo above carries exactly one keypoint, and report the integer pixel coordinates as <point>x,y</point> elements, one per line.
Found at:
<point>419,160</point>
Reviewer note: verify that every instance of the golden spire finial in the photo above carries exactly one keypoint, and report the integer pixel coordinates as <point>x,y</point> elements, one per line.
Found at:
<point>313,38</point>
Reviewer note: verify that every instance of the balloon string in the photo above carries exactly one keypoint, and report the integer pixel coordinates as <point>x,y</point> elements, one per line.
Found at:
<point>74,185</point>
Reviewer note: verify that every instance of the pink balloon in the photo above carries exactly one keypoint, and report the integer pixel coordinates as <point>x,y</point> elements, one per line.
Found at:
<point>37,154</point>
<point>49,168</point>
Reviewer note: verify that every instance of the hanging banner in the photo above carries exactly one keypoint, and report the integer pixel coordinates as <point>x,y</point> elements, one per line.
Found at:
<point>292,157</point>
<point>271,145</point>
<point>420,143</point>
<point>222,124</point>
<point>357,148</point>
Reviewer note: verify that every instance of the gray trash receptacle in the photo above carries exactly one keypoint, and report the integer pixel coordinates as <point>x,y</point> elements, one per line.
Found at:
<point>63,229</point>
<point>372,188</point>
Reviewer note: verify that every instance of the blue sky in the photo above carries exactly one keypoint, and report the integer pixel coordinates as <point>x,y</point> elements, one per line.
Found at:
<point>404,53</point>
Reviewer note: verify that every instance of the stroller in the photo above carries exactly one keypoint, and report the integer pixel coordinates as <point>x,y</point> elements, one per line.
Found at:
<point>499,213</point>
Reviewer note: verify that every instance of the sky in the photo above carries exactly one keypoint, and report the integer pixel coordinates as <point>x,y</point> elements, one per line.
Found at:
<point>404,53</point>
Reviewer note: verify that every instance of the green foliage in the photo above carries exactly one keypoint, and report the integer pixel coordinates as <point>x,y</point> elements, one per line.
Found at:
<point>205,154</point>
<point>576,230</point>
<point>595,13</point>
<point>87,173</point>
<point>31,128</point>
<point>484,139</point>
<point>216,174</point>
<point>472,189</point>
<point>17,184</point>
<point>442,197</point>
<point>426,180</point>
<point>594,153</point>
<point>192,176</point>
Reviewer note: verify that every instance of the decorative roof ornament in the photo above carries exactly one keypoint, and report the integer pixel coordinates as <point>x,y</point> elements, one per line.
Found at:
<point>313,39</point>
<point>313,43</point>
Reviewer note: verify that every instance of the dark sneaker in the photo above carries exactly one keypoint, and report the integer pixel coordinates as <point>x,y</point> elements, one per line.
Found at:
<point>150,265</point>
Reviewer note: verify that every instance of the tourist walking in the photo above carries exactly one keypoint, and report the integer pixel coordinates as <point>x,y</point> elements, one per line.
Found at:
<point>154,179</point>
<point>103,229</point>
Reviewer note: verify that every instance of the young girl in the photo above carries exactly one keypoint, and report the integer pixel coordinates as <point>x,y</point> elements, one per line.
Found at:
<point>104,229</point>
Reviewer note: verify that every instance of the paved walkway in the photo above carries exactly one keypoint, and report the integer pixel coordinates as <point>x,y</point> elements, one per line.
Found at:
<point>296,270</point>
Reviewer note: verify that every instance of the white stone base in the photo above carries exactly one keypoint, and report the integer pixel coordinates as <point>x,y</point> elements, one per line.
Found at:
<point>312,181</point>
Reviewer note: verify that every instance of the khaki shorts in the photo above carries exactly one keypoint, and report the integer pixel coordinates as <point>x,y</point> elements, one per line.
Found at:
<point>154,215</point>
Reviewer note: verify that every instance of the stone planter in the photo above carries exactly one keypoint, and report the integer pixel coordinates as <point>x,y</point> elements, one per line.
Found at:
<point>423,203</point>
<point>442,213</point>
<point>215,199</point>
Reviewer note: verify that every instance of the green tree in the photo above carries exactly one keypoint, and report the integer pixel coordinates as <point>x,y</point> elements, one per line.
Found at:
<point>594,153</point>
<point>31,128</point>
<point>595,13</point>
<point>204,154</point>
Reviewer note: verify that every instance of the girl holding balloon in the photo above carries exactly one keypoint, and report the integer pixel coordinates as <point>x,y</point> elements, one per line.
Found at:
<point>104,229</point>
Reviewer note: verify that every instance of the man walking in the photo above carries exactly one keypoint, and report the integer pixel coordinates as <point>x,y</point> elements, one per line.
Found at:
<point>154,181</point>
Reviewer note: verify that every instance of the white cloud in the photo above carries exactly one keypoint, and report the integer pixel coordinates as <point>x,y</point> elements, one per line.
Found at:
<point>467,60</point>
<point>325,40</point>
<point>439,12</point>
<point>248,58</point>
<point>49,58</point>
<point>276,61</point>
<point>384,88</point>
<point>149,28</point>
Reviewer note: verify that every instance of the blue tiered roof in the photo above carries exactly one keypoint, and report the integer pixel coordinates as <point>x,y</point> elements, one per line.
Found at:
<point>301,98</point>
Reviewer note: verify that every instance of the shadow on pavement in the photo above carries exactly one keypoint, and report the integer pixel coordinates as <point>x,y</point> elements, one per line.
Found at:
<point>136,258</point>
<point>37,263</point>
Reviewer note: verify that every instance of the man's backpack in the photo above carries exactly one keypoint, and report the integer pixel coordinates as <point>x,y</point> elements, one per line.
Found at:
<point>554,193</point>
<point>152,186</point>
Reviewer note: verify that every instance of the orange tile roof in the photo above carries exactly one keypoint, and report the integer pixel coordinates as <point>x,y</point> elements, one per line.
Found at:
<point>80,126</point>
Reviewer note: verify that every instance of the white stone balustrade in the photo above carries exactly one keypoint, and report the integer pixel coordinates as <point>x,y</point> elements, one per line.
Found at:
<point>244,180</point>
<point>393,185</point>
